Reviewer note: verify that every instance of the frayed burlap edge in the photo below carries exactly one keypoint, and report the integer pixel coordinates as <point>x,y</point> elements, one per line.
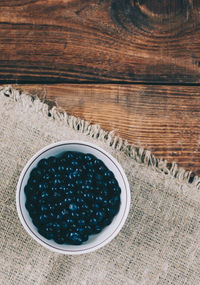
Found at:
<point>140,155</point>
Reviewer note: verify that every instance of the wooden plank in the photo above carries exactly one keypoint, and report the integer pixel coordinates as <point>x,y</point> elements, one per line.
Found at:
<point>163,119</point>
<point>100,41</point>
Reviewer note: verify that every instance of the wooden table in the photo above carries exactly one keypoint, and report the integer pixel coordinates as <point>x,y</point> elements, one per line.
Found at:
<point>128,65</point>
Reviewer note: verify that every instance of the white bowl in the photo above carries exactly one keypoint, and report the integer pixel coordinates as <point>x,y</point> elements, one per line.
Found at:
<point>95,241</point>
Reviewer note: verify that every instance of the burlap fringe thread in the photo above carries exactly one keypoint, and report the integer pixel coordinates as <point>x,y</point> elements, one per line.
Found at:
<point>93,130</point>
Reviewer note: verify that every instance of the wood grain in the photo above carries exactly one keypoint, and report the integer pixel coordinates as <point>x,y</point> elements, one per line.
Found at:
<point>163,119</point>
<point>100,41</point>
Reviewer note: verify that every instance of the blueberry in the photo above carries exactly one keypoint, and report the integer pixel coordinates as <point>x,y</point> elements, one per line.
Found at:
<point>76,174</point>
<point>69,155</point>
<point>28,189</point>
<point>35,220</point>
<point>88,181</point>
<point>75,215</point>
<point>70,176</point>
<point>51,207</point>
<point>93,221</point>
<point>44,194</point>
<point>84,206</point>
<point>79,156</point>
<point>74,163</point>
<point>51,216</point>
<point>43,208</point>
<point>91,188</point>
<point>105,184</point>
<point>63,161</point>
<point>97,163</point>
<point>106,221</point>
<point>111,211</point>
<point>102,169</point>
<point>33,198</point>
<point>99,199</point>
<point>88,229</point>
<point>91,212</point>
<point>73,227</point>
<point>83,214</point>
<point>70,221</point>
<point>45,233</point>
<point>109,174</point>
<point>73,207</point>
<point>48,233</point>
<point>98,176</point>
<point>116,189</point>
<point>112,182</point>
<point>50,226</point>
<point>43,163</point>
<point>42,201</point>
<point>90,163</point>
<point>57,175</point>
<point>90,176</point>
<point>79,200</point>
<point>32,181</point>
<point>100,183</point>
<point>59,217</point>
<point>64,225</point>
<point>97,229</point>
<point>46,176</point>
<point>84,237</point>
<point>56,226</point>
<point>51,171</point>
<point>61,168</point>
<point>42,186</point>
<point>43,218</point>
<point>35,173</point>
<point>29,204</point>
<point>81,222</point>
<point>99,215</point>
<point>63,189</point>
<point>105,193</point>
<point>70,185</point>
<point>79,182</point>
<point>84,167</point>
<point>52,160</point>
<point>59,239</point>
<point>80,230</point>
<point>85,187</point>
<point>91,171</point>
<point>56,181</point>
<point>95,206</point>
<point>88,196</point>
<point>88,157</point>
<point>113,202</point>
<point>75,238</point>
<point>57,195</point>
<point>68,199</point>
<point>64,212</point>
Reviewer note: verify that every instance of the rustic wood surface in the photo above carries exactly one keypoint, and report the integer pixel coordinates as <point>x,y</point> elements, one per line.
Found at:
<point>163,119</point>
<point>146,52</point>
<point>100,41</point>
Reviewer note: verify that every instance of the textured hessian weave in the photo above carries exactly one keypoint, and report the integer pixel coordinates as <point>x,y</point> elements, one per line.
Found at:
<point>160,241</point>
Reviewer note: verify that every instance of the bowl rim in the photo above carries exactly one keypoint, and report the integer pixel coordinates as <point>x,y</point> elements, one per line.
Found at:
<point>24,221</point>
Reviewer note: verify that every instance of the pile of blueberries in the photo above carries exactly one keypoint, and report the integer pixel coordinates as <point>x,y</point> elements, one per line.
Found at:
<point>71,197</point>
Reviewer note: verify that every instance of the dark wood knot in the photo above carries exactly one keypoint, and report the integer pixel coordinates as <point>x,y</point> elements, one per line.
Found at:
<point>159,17</point>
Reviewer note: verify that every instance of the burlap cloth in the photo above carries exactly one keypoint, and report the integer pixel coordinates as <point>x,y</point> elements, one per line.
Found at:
<point>160,241</point>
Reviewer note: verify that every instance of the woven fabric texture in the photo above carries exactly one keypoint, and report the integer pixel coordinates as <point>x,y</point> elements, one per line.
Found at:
<point>160,241</point>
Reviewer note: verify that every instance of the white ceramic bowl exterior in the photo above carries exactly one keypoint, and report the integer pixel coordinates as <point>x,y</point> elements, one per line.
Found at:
<point>95,241</point>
